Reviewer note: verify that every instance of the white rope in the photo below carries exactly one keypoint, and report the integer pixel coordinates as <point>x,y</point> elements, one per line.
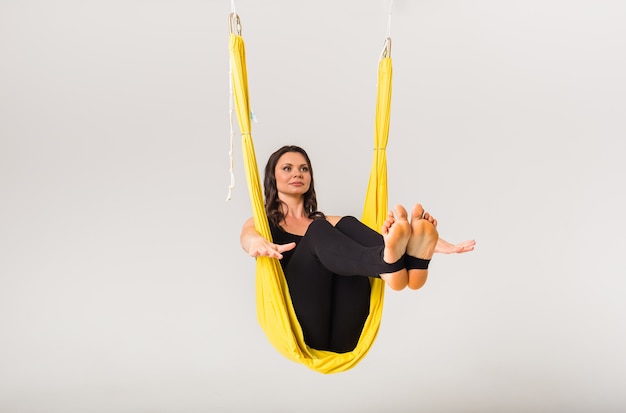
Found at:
<point>232,134</point>
<point>231,111</point>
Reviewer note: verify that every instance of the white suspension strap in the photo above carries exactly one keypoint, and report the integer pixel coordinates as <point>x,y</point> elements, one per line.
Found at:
<point>386,52</point>
<point>389,18</point>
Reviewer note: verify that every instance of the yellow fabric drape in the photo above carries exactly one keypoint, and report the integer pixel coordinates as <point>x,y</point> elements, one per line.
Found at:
<point>274,308</point>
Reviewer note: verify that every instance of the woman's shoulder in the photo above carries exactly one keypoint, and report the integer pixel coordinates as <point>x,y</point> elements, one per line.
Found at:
<point>249,223</point>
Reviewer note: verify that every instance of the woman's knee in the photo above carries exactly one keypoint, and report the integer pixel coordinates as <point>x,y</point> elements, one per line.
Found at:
<point>319,225</point>
<point>360,232</point>
<point>348,219</point>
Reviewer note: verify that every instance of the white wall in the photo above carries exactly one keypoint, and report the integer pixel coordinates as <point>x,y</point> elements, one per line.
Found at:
<point>122,284</point>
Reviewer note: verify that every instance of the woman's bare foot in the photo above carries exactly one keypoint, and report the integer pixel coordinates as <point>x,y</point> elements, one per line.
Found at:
<point>421,244</point>
<point>396,232</point>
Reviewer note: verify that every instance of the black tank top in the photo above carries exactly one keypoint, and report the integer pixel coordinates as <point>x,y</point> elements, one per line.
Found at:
<point>280,236</point>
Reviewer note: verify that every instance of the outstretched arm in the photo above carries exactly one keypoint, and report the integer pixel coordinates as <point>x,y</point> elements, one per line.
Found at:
<point>444,247</point>
<point>256,246</point>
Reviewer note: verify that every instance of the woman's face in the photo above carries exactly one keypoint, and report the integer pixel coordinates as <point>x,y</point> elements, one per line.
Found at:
<point>293,176</point>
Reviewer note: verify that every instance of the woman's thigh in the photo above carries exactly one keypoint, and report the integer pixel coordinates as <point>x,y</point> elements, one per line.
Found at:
<point>350,309</point>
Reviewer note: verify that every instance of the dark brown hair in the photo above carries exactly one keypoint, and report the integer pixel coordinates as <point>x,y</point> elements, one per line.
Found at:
<point>272,202</point>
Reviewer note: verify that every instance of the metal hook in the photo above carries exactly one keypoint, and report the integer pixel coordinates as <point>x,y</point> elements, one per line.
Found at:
<point>233,20</point>
<point>387,49</point>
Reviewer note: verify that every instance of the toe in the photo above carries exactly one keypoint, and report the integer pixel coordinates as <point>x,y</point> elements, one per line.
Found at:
<point>400,212</point>
<point>417,211</point>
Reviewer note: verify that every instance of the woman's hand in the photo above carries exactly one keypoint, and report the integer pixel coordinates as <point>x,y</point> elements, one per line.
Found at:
<point>444,247</point>
<point>256,246</point>
<point>260,247</point>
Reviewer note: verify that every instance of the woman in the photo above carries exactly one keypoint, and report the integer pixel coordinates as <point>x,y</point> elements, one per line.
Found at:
<point>327,259</point>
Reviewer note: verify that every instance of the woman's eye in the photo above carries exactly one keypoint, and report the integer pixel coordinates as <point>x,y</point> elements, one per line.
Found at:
<point>304,169</point>
<point>287,168</point>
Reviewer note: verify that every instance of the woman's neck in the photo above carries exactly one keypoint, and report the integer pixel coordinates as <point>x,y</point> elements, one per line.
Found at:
<point>295,219</point>
<point>293,208</point>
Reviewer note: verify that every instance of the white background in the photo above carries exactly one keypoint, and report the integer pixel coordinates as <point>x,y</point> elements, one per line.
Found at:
<point>123,287</point>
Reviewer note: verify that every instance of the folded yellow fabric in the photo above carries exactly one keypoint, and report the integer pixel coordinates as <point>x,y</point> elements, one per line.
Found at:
<point>274,308</point>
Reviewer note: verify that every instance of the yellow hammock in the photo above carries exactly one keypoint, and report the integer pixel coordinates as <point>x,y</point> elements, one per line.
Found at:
<point>274,308</point>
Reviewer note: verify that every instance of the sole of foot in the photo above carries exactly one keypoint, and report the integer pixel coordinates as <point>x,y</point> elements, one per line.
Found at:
<point>424,235</point>
<point>397,234</point>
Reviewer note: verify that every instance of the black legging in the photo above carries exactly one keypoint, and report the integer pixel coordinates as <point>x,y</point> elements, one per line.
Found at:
<point>328,281</point>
